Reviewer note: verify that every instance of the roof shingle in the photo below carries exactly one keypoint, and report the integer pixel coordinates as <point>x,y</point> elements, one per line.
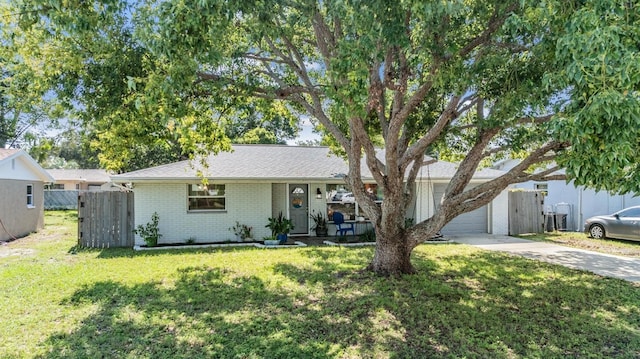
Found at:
<point>7,152</point>
<point>87,175</point>
<point>274,162</point>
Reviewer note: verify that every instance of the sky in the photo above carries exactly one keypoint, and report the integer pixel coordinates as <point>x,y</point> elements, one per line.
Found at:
<point>306,132</point>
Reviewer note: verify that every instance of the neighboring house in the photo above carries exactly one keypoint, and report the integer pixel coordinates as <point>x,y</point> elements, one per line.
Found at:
<point>80,179</point>
<point>63,193</point>
<point>22,182</point>
<point>255,182</point>
<point>578,202</point>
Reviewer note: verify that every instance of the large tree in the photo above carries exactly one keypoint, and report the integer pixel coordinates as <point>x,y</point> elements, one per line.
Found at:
<point>477,79</point>
<point>474,80</point>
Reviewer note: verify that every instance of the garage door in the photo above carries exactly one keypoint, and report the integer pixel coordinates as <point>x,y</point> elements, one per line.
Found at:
<point>470,222</point>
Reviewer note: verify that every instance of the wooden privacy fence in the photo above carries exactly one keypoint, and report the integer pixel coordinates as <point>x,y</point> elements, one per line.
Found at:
<point>526,212</point>
<point>105,219</point>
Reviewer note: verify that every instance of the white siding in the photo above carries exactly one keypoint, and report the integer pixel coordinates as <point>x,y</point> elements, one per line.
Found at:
<point>19,169</point>
<point>424,201</point>
<point>584,202</point>
<point>249,204</point>
<point>279,196</point>
<point>318,205</point>
<point>499,214</point>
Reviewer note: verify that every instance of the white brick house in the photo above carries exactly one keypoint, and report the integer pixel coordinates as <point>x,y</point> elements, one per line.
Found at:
<point>255,182</point>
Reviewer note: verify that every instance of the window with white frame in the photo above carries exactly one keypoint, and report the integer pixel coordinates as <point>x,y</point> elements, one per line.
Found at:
<point>30,196</point>
<point>209,197</point>
<point>54,186</point>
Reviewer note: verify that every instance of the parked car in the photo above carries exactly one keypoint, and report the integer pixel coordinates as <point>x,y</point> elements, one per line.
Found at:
<point>624,224</point>
<point>348,198</point>
<point>337,196</point>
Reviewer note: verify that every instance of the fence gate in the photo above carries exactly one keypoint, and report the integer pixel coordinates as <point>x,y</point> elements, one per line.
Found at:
<point>526,212</point>
<point>105,219</point>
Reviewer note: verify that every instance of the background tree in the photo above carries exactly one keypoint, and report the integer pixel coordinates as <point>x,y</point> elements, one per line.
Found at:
<point>22,116</point>
<point>84,60</point>
<point>473,80</point>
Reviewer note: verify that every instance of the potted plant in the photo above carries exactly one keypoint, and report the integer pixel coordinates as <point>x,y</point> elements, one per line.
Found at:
<point>280,226</point>
<point>270,241</point>
<point>150,232</point>
<point>320,224</point>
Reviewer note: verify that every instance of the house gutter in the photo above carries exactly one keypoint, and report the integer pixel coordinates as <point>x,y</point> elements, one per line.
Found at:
<point>580,214</point>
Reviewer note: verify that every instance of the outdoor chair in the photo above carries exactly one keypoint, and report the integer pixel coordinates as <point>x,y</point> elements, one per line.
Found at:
<point>341,226</point>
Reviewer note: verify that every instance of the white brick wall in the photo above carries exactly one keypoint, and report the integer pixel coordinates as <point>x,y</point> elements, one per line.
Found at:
<point>318,205</point>
<point>249,204</point>
<point>279,196</point>
<point>252,204</point>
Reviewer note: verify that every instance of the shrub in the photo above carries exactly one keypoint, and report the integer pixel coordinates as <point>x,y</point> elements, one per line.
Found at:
<point>149,232</point>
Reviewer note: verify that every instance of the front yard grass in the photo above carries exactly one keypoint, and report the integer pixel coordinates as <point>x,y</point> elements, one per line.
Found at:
<point>314,302</point>
<point>581,240</point>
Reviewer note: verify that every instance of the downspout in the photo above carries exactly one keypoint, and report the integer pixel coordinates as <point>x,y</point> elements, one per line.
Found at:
<point>580,215</point>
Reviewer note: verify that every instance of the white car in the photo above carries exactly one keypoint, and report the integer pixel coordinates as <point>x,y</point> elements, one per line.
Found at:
<point>348,198</point>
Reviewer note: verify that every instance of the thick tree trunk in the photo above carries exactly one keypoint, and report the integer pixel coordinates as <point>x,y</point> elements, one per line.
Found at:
<point>392,257</point>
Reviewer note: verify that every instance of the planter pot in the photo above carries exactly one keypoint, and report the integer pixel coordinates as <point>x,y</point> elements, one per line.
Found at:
<point>151,242</point>
<point>322,232</point>
<point>282,238</point>
<point>271,242</point>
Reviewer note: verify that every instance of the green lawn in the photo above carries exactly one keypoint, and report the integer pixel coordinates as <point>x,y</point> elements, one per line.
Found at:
<point>309,302</point>
<point>582,241</point>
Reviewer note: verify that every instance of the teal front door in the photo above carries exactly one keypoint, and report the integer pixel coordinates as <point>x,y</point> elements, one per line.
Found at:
<point>299,208</point>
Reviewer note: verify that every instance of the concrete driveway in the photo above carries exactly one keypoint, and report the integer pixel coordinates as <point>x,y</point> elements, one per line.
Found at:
<point>603,264</point>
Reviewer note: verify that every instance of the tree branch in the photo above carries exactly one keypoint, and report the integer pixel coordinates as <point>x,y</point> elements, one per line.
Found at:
<point>324,38</point>
<point>495,22</point>
<point>515,175</point>
<point>419,147</point>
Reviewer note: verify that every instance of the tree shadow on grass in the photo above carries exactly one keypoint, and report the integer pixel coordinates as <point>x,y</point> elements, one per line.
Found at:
<point>206,313</point>
<point>477,305</point>
<point>486,305</point>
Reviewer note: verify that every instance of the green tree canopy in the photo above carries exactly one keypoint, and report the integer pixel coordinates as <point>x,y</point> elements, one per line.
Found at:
<point>84,60</point>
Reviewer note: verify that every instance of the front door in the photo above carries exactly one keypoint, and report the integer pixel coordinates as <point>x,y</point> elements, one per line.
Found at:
<point>299,208</point>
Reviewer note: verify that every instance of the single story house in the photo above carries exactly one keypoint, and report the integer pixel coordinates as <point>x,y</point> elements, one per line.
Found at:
<point>63,192</point>
<point>22,182</point>
<point>255,182</point>
<point>79,179</point>
<point>577,202</point>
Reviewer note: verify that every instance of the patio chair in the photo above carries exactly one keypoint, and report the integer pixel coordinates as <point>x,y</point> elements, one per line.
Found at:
<point>341,226</point>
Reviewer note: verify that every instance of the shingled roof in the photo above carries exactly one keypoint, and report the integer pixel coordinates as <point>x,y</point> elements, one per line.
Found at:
<point>86,175</point>
<point>273,162</point>
<point>7,152</point>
